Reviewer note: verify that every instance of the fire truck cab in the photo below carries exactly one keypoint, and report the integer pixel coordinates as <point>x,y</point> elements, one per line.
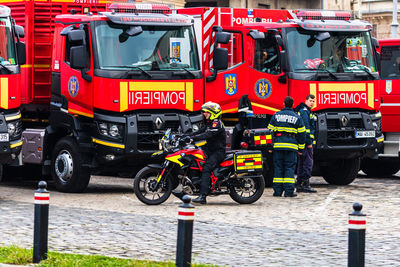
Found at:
<point>296,53</point>
<point>105,86</point>
<point>388,162</point>
<point>12,56</point>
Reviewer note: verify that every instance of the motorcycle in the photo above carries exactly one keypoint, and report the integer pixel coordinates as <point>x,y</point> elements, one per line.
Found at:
<point>239,174</point>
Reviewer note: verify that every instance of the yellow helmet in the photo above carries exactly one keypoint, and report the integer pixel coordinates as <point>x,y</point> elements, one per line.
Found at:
<point>213,108</point>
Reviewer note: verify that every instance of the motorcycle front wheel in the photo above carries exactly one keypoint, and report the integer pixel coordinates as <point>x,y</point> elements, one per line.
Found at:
<point>250,190</point>
<point>148,190</point>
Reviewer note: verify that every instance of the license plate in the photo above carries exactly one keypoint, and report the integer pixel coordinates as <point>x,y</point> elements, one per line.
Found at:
<point>4,137</point>
<point>365,134</point>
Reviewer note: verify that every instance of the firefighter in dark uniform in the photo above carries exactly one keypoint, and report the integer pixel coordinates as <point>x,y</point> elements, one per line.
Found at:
<point>214,133</point>
<point>288,140</point>
<point>305,161</point>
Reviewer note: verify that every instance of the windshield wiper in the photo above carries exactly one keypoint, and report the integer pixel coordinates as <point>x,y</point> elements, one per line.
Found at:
<point>6,68</point>
<point>188,71</point>
<point>368,72</point>
<point>331,74</point>
<point>131,67</point>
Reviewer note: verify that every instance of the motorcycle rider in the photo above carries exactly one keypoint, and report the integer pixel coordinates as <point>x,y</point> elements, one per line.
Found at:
<point>214,133</point>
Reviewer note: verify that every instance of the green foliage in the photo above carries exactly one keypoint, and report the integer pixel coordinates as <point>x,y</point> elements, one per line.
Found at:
<point>16,255</point>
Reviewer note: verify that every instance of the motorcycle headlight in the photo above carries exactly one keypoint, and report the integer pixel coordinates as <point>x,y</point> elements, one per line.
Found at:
<point>114,131</point>
<point>11,128</point>
<point>195,127</point>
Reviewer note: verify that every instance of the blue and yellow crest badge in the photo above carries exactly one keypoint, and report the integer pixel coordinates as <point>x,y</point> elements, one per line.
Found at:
<point>73,86</point>
<point>176,52</point>
<point>263,88</point>
<point>230,84</point>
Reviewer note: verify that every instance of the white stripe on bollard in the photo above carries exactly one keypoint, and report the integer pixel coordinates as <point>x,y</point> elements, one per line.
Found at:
<point>357,222</point>
<point>42,198</point>
<point>185,214</point>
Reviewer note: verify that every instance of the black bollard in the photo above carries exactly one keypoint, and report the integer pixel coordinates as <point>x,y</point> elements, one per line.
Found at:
<point>41,224</point>
<point>185,233</point>
<point>357,226</point>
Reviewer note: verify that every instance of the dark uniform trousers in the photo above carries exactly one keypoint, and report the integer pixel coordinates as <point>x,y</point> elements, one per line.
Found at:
<point>210,164</point>
<point>284,166</point>
<point>305,165</point>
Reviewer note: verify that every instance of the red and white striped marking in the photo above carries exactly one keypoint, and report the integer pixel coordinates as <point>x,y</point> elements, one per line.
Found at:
<point>42,198</point>
<point>357,222</point>
<point>186,214</point>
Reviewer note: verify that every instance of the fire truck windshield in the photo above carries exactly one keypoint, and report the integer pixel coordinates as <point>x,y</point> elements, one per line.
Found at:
<point>7,48</point>
<point>342,52</point>
<point>145,48</point>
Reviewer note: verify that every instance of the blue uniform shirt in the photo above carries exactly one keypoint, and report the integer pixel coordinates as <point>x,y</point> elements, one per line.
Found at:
<point>289,130</point>
<point>309,120</point>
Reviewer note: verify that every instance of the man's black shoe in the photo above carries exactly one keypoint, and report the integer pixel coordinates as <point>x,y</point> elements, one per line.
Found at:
<point>294,194</point>
<point>200,199</point>
<point>178,194</point>
<point>308,189</point>
<point>277,194</point>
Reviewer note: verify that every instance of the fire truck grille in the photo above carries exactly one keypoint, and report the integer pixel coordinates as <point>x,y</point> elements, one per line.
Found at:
<point>149,126</point>
<point>344,138</point>
<point>148,140</point>
<point>337,124</point>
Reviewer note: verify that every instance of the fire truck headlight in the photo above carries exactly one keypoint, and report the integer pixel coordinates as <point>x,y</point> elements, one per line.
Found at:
<point>11,128</point>
<point>103,128</point>
<point>114,131</point>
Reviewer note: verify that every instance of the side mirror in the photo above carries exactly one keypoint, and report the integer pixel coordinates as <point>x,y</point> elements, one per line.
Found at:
<point>257,35</point>
<point>19,31</point>
<point>21,53</point>
<point>322,36</point>
<point>76,37</point>
<point>222,37</point>
<point>284,64</point>
<point>220,61</point>
<point>77,57</point>
<point>279,40</point>
<point>375,42</point>
<point>220,58</point>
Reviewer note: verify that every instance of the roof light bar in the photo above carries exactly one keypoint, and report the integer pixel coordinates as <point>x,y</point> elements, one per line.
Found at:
<point>139,8</point>
<point>322,15</point>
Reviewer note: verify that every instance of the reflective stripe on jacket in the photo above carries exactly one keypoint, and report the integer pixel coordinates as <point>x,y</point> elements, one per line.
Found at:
<point>289,130</point>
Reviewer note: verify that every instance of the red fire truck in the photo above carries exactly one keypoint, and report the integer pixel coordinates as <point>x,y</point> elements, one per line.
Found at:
<point>102,85</point>
<point>12,55</point>
<point>308,52</point>
<point>387,162</point>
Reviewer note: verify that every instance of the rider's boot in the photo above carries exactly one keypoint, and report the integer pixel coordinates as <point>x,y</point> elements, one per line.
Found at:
<point>178,194</point>
<point>200,199</point>
<point>307,188</point>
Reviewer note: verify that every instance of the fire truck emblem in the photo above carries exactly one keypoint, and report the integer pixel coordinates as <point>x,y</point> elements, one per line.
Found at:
<point>263,88</point>
<point>176,52</point>
<point>230,84</point>
<point>388,86</point>
<point>73,86</point>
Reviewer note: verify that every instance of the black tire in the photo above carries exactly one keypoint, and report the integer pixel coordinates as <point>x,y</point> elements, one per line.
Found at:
<point>341,171</point>
<point>384,167</point>
<point>256,183</point>
<point>66,167</point>
<point>141,186</point>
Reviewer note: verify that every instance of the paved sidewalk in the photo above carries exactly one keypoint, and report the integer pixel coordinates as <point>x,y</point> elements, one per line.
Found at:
<point>310,230</point>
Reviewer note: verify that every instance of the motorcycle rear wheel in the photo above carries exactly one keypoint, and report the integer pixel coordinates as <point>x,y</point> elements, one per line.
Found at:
<point>250,194</point>
<point>142,186</point>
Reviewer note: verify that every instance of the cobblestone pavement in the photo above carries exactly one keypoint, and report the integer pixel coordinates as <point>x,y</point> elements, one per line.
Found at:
<point>310,230</point>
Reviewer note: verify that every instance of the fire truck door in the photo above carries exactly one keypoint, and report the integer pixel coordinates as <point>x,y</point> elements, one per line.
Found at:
<point>230,83</point>
<point>267,82</point>
<point>76,83</point>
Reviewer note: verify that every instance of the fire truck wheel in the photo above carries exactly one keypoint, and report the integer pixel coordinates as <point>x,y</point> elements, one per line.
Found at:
<point>385,167</point>
<point>341,171</point>
<point>66,167</point>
